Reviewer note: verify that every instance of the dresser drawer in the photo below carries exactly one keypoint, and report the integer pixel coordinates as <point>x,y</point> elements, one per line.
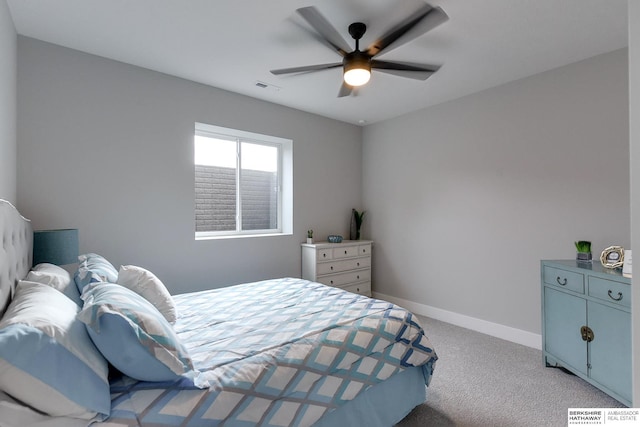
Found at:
<point>363,288</point>
<point>564,279</point>
<point>345,278</point>
<point>610,291</point>
<point>345,252</point>
<point>325,254</point>
<point>343,265</point>
<point>364,250</point>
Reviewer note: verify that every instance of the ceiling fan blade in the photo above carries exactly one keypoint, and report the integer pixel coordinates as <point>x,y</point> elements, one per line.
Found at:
<point>405,69</point>
<point>422,20</point>
<point>307,68</point>
<point>330,35</point>
<point>345,90</point>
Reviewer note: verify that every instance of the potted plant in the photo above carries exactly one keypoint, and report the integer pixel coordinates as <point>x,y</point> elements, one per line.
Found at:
<point>310,236</point>
<point>584,250</point>
<point>356,224</point>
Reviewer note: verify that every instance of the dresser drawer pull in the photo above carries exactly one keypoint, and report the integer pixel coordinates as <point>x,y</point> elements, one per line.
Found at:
<point>332,282</point>
<point>358,264</point>
<point>613,298</point>
<point>332,268</point>
<point>345,252</point>
<point>561,283</point>
<point>358,277</point>
<point>324,255</point>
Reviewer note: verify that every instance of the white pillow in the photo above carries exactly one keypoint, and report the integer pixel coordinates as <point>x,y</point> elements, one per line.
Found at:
<point>56,277</point>
<point>146,284</point>
<point>47,359</point>
<point>49,274</point>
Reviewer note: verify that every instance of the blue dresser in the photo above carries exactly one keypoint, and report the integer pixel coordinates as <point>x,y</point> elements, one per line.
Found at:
<point>586,323</point>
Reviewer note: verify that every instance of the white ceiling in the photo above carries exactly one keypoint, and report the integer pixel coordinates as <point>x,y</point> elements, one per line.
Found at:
<point>232,44</point>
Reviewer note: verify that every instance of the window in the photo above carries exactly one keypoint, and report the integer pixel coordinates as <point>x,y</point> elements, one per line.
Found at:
<point>243,183</point>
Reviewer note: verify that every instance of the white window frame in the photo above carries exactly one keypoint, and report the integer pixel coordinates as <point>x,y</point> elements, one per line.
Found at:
<point>285,181</point>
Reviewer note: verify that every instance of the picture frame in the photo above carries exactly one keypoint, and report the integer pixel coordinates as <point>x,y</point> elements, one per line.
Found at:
<point>627,267</point>
<point>612,257</point>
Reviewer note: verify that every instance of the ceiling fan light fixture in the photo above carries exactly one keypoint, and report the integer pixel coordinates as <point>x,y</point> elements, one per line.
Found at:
<point>357,76</point>
<point>357,69</point>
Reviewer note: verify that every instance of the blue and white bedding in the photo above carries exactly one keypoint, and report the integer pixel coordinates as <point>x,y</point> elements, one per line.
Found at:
<point>280,352</point>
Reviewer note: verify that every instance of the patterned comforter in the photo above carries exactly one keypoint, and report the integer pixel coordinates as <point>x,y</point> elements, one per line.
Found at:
<point>276,353</point>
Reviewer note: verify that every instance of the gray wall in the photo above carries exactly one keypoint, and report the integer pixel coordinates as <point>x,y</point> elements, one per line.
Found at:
<point>465,198</point>
<point>108,148</point>
<point>634,114</point>
<point>8,66</point>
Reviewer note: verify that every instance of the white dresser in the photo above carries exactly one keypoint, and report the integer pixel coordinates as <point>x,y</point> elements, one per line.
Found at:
<point>345,265</point>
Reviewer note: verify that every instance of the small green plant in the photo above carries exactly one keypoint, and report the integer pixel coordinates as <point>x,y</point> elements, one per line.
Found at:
<point>358,217</point>
<point>583,246</point>
<point>310,234</point>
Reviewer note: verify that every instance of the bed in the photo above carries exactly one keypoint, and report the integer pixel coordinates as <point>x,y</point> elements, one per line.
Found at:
<point>282,352</point>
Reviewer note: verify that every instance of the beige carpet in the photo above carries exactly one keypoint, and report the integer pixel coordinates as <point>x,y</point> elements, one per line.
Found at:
<point>485,381</point>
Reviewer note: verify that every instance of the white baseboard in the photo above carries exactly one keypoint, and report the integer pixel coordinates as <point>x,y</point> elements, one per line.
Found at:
<point>508,333</point>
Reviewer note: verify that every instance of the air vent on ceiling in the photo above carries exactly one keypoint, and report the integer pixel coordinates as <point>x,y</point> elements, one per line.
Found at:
<point>263,85</point>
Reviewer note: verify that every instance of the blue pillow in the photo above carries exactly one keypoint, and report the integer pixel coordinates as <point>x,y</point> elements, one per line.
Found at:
<point>94,268</point>
<point>132,334</point>
<point>47,359</point>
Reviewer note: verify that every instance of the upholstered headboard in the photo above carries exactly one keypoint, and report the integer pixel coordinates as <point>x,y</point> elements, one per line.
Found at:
<point>16,251</point>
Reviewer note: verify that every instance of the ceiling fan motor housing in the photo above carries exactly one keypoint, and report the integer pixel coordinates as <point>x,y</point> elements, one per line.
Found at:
<point>356,59</point>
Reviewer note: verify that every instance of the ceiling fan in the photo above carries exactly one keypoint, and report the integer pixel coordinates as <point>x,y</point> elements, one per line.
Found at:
<point>357,64</point>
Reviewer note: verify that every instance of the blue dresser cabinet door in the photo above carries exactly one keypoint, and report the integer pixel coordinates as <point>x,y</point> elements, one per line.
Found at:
<point>564,315</point>
<point>610,350</point>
